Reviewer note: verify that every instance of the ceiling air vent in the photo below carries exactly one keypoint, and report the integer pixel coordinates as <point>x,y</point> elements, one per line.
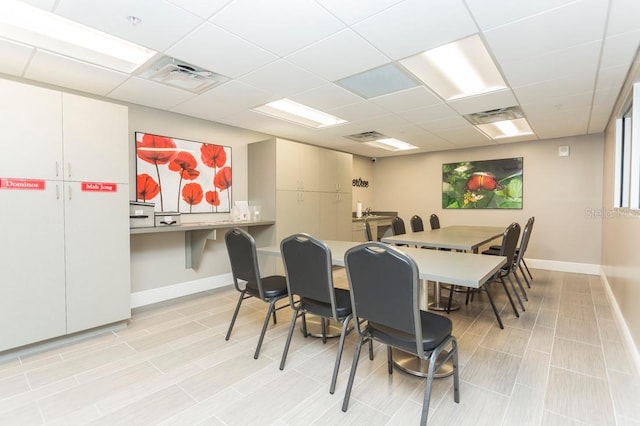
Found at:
<point>493,115</point>
<point>182,75</point>
<point>366,136</point>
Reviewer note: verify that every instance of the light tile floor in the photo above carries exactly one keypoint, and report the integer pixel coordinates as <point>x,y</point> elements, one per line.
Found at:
<point>561,363</point>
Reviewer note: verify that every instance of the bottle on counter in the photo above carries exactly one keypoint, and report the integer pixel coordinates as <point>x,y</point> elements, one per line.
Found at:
<point>358,209</point>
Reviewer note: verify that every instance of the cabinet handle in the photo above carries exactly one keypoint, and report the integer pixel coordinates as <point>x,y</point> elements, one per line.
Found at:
<point>69,169</point>
<point>57,169</point>
<point>69,189</point>
<point>57,191</point>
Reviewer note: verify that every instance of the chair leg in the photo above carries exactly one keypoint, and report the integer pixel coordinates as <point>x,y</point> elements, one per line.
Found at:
<point>336,367</point>
<point>524,292</point>
<point>493,306</point>
<point>456,378</point>
<point>524,275</point>
<point>513,287</point>
<point>506,290</point>
<point>528,271</point>
<point>272,305</point>
<point>323,327</point>
<point>305,333</point>
<point>371,349</point>
<point>352,375</point>
<point>275,321</point>
<point>390,359</point>
<point>450,299</point>
<point>427,391</point>
<point>235,314</point>
<point>286,345</point>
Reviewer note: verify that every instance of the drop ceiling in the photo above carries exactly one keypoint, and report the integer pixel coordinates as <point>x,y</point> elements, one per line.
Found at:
<point>564,62</point>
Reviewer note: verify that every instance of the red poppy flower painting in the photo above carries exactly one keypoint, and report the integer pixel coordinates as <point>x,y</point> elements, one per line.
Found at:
<point>180,173</point>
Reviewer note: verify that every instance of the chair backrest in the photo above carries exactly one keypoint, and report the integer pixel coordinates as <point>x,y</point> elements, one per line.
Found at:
<point>397,226</point>
<point>524,241</point>
<point>384,288</point>
<point>367,230</point>
<point>241,247</point>
<point>434,221</point>
<point>510,243</point>
<point>416,224</point>
<point>307,264</point>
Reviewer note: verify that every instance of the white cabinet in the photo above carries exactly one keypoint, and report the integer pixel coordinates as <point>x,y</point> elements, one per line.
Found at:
<point>298,166</point>
<point>65,251</point>
<point>335,171</point>
<point>297,211</point>
<point>335,216</point>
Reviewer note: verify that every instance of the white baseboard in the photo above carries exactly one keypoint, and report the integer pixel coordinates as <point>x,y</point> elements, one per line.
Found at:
<point>632,348</point>
<point>555,265</point>
<point>148,297</point>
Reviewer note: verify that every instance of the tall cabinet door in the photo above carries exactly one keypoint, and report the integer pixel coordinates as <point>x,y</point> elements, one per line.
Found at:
<point>32,306</point>
<point>95,140</point>
<point>31,126</point>
<point>97,256</point>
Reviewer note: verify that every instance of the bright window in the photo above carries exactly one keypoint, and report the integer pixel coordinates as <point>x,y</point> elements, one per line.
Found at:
<point>627,165</point>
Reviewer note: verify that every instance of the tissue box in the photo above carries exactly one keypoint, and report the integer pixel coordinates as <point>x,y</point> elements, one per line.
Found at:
<point>141,215</point>
<point>167,218</point>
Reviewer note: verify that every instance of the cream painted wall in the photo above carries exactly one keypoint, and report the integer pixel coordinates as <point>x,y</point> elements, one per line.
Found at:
<point>620,245</point>
<point>157,260</point>
<point>363,169</point>
<point>558,191</point>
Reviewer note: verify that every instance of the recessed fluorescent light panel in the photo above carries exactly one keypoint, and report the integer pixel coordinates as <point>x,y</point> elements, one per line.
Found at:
<point>378,81</point>
<point>391,144</point>
<point>506,128</point>
<point>33,26</point>
<point>286,109</point>
<point>457,70</point>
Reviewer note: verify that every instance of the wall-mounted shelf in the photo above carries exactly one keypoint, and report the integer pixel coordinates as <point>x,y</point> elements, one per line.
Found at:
<point>197,234</point>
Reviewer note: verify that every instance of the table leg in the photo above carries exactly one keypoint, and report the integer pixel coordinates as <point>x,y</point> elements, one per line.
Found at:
<point>314,327</point>
<point>437,305</point>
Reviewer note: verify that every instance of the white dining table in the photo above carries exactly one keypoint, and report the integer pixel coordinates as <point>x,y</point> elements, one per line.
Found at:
<point>464,269</point>
<point>459,237</point>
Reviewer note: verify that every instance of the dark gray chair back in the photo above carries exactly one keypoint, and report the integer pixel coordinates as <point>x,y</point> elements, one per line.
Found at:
<point>367,230</point>
<point>397,226</point>
<point>510,243</point>
<point>416,224</point>
<point>384,288</point>
<point>307,261</point>
<point>434,221</point>
<point>241,247</point>
<point>524,241</point>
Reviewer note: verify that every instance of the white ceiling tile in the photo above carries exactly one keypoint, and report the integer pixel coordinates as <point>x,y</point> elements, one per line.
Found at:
<point>488,101</point>
<point>340,55</point>
<point>465,137</point>
<point>558,104</point>
<point>42,4</point>
<point>148,93</point>
<point>577,62</point>
<point>599,118</point>
<point>493,13</point>
<point>623,16</point>
<point>15,57</point>
<point>66,72</point>
<point>282,78</point>
<point>551,124</point>
<point>566,86</point>
<point>202,8</point>
<point>352,11</point>
<point>218,50</point>
<point>359,111</point>
<point>574,24</point>
<point>620,49</point>
<point>612,78</point>
<point>280,26</point>
<point>420,116</point>
<point>327,97</point>
<point>225,100</point>
<point>162,23</point>
<point>413,98</point>
<point>414,26</point>
<point>448,123</point>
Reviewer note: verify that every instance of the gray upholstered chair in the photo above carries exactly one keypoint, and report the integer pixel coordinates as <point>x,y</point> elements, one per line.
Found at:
<point>241,248</point>
<point>384,294</point>
<point>416,224</point>
<point>307,263</point>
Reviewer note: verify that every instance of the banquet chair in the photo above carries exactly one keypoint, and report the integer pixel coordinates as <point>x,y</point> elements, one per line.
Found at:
<point>241,248</point>
<point>416,224</point>
<point>523,247</point>
<point>367,230</point>
<point>507,249</point>
<point>434,221</point>
<point>397,226</point>
<point>307,264</point>
<point>384,285</point>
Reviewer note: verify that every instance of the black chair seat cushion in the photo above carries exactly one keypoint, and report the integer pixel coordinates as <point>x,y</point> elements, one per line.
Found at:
<point>435,329</point>
<point>497,248</point>
<point>273,286</point>
<point>343,305</point>
<point>492,252</point>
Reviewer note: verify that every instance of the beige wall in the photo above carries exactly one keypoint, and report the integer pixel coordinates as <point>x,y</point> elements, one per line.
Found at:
<point>363,169</point>
<point>558,191</point>
<point>620,245</point>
